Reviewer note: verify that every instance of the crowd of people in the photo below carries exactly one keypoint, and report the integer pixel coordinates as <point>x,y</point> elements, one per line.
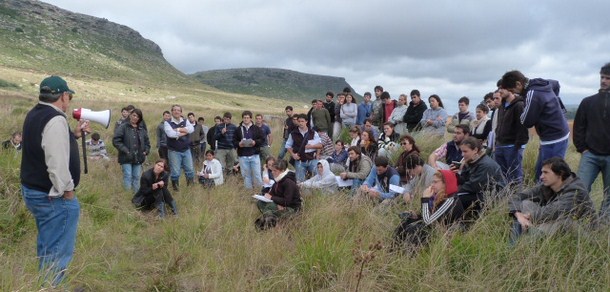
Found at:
<point>366,149</point>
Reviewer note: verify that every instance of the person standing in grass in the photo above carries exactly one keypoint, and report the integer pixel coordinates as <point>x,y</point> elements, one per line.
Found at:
<point>511,137</point>
<point>302,144</point>
<point>248,139</point>
<point>265,149</point>
<point>133,144</point>
<point>50,173</point>
<point>592,138</point>
<point>225,150</point>
<point>558,203</point>
<point>177,130</point>
<point>161,137</point>
<point>321,117</point>
<point>365,108</point>
<point>289,126</point>
<point>196,137</point>
<point>14,142</point>
<point>544,111</point>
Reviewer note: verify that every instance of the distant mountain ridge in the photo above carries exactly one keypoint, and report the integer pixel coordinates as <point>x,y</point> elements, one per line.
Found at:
<point>44,38</point>
<point>273,82</point>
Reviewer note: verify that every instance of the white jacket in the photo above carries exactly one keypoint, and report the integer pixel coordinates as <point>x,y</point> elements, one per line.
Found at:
<point>215,170</point>
<point>325,180</point>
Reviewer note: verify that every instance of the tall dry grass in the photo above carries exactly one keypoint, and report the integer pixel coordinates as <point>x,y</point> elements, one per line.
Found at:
<point>213,246</point>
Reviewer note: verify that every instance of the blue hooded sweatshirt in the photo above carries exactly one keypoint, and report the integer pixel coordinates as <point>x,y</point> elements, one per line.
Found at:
<point>544,111</point>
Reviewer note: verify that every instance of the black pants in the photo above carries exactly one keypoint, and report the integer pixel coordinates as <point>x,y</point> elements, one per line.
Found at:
<point>152,200</point>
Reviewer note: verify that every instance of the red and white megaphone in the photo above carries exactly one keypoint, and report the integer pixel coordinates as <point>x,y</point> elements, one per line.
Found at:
<point>101,117</point>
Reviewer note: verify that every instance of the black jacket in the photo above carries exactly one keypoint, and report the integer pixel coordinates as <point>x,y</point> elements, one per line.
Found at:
<point>509,130</point>
<point>592,124</point>
<point>133,143</point>
<point>285,192</point>
<point>479,176</point>
<point>210,137</point>
<point>255,133</point>
<point>414,115</point>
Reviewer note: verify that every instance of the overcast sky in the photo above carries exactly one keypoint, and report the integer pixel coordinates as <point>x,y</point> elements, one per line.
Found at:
<point>451,48</point>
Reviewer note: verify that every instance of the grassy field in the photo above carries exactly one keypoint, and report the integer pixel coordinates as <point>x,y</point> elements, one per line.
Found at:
<point>336,244</point>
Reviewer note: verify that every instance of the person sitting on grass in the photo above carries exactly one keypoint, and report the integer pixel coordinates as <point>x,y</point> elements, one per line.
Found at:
<point>478,176</point>
<point>407,142</point>
<point>387,144</point>
<point>14,142</point>
<point>558,203</point>
<point>338,158</point>
<point>376,187</point>
<point>211,174</point>
<point>358,167</point>
<point>324,180</point>
<point>96,149</point>
<point>420,176</point>
<point>439,205</point>
<point>153,191</point>
<point>284,194</point>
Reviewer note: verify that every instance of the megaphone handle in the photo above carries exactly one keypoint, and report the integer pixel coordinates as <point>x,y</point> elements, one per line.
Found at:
<point>84,150</point>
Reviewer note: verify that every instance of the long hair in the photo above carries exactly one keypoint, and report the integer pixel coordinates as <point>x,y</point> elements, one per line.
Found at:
<point>441,195</point>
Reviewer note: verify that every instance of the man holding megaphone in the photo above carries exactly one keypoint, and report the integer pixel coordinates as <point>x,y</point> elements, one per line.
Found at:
<point>50,173</point>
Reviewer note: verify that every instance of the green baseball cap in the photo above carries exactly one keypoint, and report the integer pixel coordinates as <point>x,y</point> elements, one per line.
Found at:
<point>54,84</point>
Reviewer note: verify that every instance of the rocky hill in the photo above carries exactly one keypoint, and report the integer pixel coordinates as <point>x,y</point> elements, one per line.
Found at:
<point>39,36</point>
<point>277,83</point>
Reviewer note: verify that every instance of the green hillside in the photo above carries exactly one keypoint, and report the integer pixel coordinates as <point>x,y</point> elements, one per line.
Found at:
<point>35,35</point>
<point>277,83</point>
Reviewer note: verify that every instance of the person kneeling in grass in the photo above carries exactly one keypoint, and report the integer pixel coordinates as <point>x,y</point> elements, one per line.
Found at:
<point>284,194</point>
<point>439,204</point>
<point>556,204</point>
<point>153,190</point>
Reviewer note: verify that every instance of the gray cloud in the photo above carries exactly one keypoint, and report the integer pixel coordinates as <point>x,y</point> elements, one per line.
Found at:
<point>452,48</point>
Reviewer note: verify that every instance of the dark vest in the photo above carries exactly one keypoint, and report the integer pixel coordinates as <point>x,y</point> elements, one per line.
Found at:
<point>181,144</point>
<point>34,173</point>
<point>298,143</point>
<point>453,152</point>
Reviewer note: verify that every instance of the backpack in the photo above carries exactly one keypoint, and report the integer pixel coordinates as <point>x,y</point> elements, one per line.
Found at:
<point>265,221</point>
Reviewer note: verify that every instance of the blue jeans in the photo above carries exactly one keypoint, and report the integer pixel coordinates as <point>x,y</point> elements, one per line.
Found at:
<point>282,151</point>
<point>590,166</point>
<point>56,221</point>
<point>549,151</point>
<point>178,161</point>
<point>251,168</point>
<point>302,166</point>
<point>131,176</point>
<point>510,160</point>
